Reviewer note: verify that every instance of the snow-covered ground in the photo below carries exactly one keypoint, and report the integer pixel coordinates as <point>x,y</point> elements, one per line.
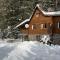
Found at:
<point>28,51</point>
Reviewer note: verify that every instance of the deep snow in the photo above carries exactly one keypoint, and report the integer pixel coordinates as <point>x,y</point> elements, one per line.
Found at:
<point>28,51</point>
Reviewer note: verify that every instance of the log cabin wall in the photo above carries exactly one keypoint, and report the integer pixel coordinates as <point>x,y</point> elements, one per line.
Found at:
<point>35,24</point>
<point>40,25</point>
<point>56,22</point>
<point>50,25</point>
<point>24,30</point>
<point>56,30</point>
<point>37,20</point>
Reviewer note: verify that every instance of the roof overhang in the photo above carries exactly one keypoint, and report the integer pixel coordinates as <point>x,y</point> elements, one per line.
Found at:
<point>45,13</point>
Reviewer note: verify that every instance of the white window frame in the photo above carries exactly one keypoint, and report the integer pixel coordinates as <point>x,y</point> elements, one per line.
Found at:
<point>58,24</point>
<point>42,26</point>
<point>32,27</point>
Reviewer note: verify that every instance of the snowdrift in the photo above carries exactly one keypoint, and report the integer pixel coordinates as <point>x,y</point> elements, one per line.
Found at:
<point>29,51</point>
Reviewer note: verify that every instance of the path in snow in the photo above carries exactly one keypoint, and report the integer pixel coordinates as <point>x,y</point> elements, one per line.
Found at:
<point>29,51</point>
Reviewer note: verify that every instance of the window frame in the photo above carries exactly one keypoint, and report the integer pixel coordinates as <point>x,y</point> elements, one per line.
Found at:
<point>58,25</point>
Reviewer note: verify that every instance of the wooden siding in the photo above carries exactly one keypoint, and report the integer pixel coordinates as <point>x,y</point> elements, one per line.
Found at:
<point>56,30</point>
<point>39,18</point>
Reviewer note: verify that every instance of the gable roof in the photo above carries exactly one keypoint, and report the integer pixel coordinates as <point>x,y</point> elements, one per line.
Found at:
<point>27,20</point>
<point>45,13</point>
<point>50,13</point>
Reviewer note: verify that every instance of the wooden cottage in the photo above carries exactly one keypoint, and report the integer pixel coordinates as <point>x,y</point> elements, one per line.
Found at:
<point>40,24</point>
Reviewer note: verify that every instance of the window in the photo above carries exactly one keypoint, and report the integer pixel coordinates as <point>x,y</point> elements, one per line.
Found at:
<point>42,26</point>
<point>26,25</point>
<point>39,26</point>
<point>37,14</point>
<point>34,26</point>
<point>45,25</point>
<point>58,24</point>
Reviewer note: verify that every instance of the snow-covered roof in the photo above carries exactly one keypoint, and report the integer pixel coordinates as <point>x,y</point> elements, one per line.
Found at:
<point>46,13</point>
<point>56,13</point>
<point>27,20</point>
<point>53,13</point>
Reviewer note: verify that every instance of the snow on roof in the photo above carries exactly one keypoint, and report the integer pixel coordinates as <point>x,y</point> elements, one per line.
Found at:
<point>56,13</point>
<point>27,20</point>
<point>51,13</point>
